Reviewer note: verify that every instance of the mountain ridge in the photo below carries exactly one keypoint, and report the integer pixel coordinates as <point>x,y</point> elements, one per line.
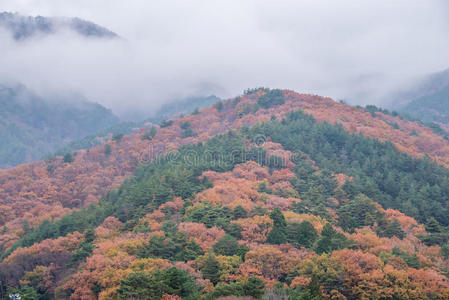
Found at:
<point>23,27</point>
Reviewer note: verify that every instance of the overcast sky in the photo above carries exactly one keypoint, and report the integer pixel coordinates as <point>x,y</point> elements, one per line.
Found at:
<point>343,49</point>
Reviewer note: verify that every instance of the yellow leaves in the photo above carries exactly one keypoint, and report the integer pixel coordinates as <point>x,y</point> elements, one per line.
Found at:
<point>149,264</point>
<point>110,280</point>
<point>122,245</point>
<point>112,276</point>
<point>228,265</point>
<point>317,222</point>
<point>323,266</point>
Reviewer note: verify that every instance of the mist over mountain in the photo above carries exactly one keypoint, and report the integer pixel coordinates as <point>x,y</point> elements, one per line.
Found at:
<point>32,126</point>
<point>125,174</point>
<point>425,98</point>
<point>176,108</point>
<point>23,27</point>
<point>173,50</point>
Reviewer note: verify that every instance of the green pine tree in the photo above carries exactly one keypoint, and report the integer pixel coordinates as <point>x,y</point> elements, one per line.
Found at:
<point>211,269</point>
<point>432,225</point>
<point>278,234</point>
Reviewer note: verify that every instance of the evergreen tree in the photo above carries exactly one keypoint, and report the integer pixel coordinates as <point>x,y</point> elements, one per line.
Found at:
<point>271,98</point>
<point>25,292</point>
<point>258,211</point>
<point>330,240</point>
<point>235,230</point>
<point>303,234</point>
<point>211,269</point>
<point>68,158</point>
<point>445,251</point>
<point>139,285</point>
<point>239,213</point>
<point>254,287</point>
<point>227,245</point>
<point>177,282</point>
<point>173,281</point>
<point>391,229</point>
<point>359,212</point>
<point>278,234</point>
<point>117,137</point>
<point>432,225</point>
<point>107,149</point>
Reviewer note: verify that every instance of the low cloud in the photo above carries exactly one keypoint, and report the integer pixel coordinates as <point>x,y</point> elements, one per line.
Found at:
<point>169,49</point>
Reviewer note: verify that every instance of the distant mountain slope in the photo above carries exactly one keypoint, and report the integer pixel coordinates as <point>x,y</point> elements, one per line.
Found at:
<point>428,100</point>
<point>23,27</point>
<point>31,127</point>
<point>182,107</point>
<point>168,111</point>
<point>433,107</point>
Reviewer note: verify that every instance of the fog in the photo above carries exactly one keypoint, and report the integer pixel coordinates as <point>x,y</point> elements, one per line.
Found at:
<point>347,49</point>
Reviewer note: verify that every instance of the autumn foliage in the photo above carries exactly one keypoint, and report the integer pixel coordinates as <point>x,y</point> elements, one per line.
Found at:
<point>381,256</point>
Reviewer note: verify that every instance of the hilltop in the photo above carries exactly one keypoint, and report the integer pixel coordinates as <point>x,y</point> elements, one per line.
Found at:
<point>24,27</point>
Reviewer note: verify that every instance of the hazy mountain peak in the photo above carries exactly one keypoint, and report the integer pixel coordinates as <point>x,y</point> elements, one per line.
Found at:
<point>22,27</point>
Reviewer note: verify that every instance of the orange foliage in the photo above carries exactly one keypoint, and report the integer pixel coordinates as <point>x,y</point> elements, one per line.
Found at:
<point>48,190</point>
<point>317,222</point>
<point>270,262</point>
<point>408,224</point>
<point>205,237</point>
<point>44,185</point>
<point>108,228</point>
<point>255,229</point>
<point>231,192</point>
<point>368,240</point>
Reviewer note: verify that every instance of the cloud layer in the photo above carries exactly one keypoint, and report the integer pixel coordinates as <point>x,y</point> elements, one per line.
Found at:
<point>348,49</point>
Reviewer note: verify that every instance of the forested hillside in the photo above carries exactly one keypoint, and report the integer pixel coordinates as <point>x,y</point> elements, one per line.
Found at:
<point>31,127</point>
<point>268,195</point>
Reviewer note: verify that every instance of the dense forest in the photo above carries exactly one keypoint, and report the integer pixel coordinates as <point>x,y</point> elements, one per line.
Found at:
<point>271,195</point>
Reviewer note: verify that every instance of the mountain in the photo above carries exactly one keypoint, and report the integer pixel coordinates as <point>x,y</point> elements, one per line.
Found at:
<point>428,100</point>
<point>271,194</point>
<point>24,27</point>
<point>31,126</point>
<point>168,111</point>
